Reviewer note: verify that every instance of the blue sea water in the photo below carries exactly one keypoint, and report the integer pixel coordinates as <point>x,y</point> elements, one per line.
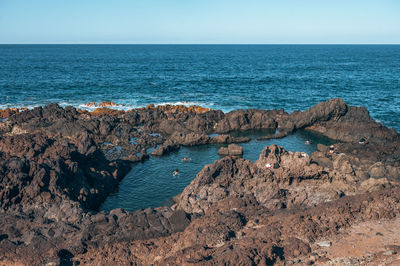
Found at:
<point>226,77</point>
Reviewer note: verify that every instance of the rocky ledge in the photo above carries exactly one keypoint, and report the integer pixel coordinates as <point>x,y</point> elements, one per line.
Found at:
<point>57,165</point>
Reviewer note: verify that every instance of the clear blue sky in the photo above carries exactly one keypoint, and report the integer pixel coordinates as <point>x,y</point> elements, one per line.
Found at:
<point>201,21</point>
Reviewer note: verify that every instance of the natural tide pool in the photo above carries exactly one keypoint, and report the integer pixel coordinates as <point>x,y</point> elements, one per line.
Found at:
<point>152,183</point>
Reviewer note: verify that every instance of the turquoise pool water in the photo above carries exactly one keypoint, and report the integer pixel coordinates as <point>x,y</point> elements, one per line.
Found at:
<point>152,183</point>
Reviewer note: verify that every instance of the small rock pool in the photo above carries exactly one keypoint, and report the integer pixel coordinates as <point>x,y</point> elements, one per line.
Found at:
<point>152,183</point>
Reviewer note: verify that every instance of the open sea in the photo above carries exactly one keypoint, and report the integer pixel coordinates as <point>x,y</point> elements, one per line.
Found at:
<point>226,77</point>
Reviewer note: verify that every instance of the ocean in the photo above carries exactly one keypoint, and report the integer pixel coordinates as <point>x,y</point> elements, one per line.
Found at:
<point>226,77</point>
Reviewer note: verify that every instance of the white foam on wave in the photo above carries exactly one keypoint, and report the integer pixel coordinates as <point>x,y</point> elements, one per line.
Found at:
<point>122,105</point>
<point>19,106</point>
<point>184,103</point>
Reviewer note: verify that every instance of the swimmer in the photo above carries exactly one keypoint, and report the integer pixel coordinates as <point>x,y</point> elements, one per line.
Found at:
<point>307,142</point>
<point>187,159</point>
<point>331,149</point>
<point>175,173</point>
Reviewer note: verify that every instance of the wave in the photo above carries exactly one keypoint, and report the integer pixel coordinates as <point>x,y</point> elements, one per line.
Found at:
<point>122,105</point>
<point>19,106</point>
<point>184,103</point>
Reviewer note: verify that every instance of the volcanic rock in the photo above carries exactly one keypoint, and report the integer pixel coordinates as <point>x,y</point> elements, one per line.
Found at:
<point>232,150</point>
<point>8,112</point>
<point>57,165</point>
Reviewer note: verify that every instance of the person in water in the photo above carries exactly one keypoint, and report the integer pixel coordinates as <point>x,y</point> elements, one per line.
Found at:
<point>307,142</point>
<point>331,149</point>
<point>187,159</point>
<point>176,172</point>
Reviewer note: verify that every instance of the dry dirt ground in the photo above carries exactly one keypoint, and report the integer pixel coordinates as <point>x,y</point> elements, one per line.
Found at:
<point>367,243</point>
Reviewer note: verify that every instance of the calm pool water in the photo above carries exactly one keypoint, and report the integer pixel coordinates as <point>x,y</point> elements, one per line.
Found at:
<point>152,183</point>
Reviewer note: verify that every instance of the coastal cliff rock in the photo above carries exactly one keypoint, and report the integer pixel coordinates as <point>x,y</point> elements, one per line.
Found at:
<point>278,179</point>
<point>246,120</point>
<point>60,231</point>
<point>249,234</point>
<point>35,168</point>
<point>190,126</point>
<point>58,164</point>
<point>8,112</point>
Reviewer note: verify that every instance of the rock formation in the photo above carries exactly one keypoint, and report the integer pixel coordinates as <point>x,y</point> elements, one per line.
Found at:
<point>57,165</point>
<point>232,150</point>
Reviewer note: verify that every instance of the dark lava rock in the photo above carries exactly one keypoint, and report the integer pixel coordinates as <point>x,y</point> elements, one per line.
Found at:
<point>57,165</point>
<point>36,168</point>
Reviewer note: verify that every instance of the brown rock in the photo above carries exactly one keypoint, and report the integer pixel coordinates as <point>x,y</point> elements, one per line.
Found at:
<point>165,149</point>
<point>91,104</point>
<point>232,150</point>
<point>106,111</point>
<point>373,184</point>
<point>224,151</point>
<point>322,148</point>
<point>56,168</point>
<point>107,104</point>
<point>341,164</point>
<point>8,112</point>
<point>378,170</point>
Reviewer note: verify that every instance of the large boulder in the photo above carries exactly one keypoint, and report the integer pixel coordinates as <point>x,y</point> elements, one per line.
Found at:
<point>232,150</point>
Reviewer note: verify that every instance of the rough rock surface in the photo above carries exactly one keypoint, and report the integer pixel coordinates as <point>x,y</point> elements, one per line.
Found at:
<point>232,149</point>
<point>278,180</point>
<point>8,112</point>
<point>57,165</point>
<point>36,168</point>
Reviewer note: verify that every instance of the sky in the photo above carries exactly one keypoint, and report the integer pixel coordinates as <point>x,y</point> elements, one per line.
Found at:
<point>199,22</point>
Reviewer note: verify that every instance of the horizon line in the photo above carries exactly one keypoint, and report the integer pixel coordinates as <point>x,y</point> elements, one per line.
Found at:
<point>67,43</point>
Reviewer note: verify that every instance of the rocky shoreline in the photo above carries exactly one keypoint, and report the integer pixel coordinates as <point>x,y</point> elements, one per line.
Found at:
<point>57,165</point>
